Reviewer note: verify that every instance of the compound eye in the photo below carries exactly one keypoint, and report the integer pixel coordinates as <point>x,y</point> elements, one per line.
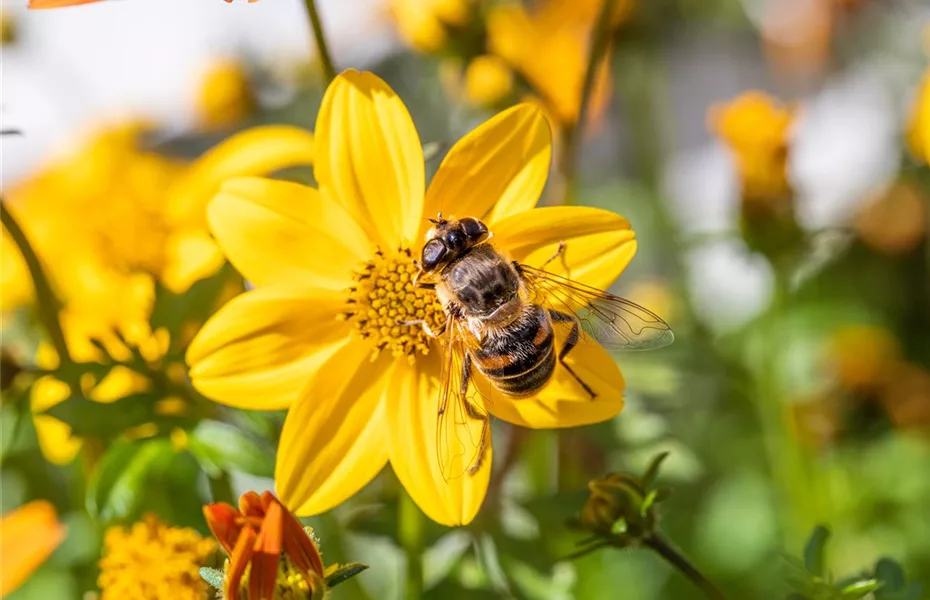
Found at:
<point>456,240</point>
<point>433,253</point>
<point>474,229</point>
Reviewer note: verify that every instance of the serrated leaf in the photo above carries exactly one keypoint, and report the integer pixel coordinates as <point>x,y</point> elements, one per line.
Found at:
<point>814,550</point>
<point>340,573</point>
<point>652,471</point>
<point>213,577</point>
<point>220,446</point>
<point>118,485</point>
<point>860,589</point>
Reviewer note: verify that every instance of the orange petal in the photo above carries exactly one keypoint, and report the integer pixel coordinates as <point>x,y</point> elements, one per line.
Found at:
<point>299,547</point>
<point>39,4</point>
<point>264,571</point>
<point>250,503</point>
<point>28,535</point>
<point>238,561</point>
<point>222,521</point>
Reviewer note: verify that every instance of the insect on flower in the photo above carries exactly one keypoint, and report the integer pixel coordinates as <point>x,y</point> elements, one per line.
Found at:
<point>500,319</point>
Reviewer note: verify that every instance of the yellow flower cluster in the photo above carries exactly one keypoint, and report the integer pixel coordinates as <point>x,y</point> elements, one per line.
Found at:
<point>153,561</point>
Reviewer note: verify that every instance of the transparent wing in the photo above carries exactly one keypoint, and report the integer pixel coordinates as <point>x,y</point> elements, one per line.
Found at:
<point>463,426</point>
<point>615,322</point>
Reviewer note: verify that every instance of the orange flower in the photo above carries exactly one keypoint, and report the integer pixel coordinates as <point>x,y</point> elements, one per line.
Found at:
<point>28,535</point>
<point>36,4</point>
<point>256,537</point>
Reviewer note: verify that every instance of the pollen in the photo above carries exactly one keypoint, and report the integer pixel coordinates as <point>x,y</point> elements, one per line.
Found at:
<point>387,308</point>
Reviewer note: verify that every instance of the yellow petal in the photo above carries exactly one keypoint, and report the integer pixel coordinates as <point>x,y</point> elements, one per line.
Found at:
<point>598,243</point>
<point>370,158</point>
<point>257,151</point>
<point>260,349</point>
<point>563,402</point>
<point>28,536</point>
<point>497,170</point>
<point>192,256</point>
<point>335,437</point>
<point>55,440</point>
<point>286,233</point>
<point>412,408</point>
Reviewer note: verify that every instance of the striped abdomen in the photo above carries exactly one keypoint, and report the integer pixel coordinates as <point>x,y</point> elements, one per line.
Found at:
<point>519,358</point>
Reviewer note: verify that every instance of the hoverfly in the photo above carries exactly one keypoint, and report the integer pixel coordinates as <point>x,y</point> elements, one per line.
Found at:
<point>499,320</point>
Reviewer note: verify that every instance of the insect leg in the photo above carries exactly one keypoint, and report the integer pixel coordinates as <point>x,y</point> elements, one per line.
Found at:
<point>474,413</point>
<point>426,328</point>
<point>570,342</point>
<point>560,254</point>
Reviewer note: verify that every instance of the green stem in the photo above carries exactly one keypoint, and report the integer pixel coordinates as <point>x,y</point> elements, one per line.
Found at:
<point>571,133</point>
<point>674,557</point>
<point>326,59</point>
<point>411,538</point>
<point>46,302</point>
<point>221,488</point>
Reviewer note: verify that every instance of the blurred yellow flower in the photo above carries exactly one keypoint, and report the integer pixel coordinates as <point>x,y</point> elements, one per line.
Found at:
<point>488,80</point>
<point>108,221</point>
<point>756,130</point>
<point>153,561</point>
<point>9,31</point>
<point>28,536</point>
<point>550,47</point>
<point>333,268</point>
<point>895,221</point>
<point>424,24</point>
<point>225,97</point>
<point>918,133</point>
<point>862,357</point>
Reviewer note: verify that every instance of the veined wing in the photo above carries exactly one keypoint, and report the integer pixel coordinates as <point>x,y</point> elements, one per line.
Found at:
<point>615,322</point>
<point>462,426</point>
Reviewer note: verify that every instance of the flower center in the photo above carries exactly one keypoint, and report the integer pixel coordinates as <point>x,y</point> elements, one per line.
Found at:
<point>388,309</point>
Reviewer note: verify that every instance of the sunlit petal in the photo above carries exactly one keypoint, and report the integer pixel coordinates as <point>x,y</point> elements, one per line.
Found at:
<point>286,233</point>
<point>267,552</point>
<point>334,439</point>
<point>221,519</point>
<point>598,243</point>
<point>28,536</point>
<point>563,402</point>
<point>497,170</point>
<point>370,158</point>
<point>259,350</point>
<point>238,561</point>
<point>412,409</point>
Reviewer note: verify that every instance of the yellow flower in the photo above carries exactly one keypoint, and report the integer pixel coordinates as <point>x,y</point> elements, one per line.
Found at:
<point>756,129</point>
<point>895,221</point>
<point>862,357</point>
<point>332,269</point>
<point>107,221</point>
<point>28,536</point>
<point>550,47</point>
<point>225,96</point>
<point>152,561</point>
<point>918,134</point>
<point>424,23</point>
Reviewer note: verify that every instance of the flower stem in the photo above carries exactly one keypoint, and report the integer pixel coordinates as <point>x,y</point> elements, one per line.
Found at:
<point>410,527</point>
<point>678,560</point>
<point>326,59</point>
<point>571,132</point>
<point>46,302</point>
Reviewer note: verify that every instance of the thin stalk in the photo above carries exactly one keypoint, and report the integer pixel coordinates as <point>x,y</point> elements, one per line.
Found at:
<point>221,488</point>
<point>411,538</point>
<point>46,302</point>
<point>571,132</point>
<point>674,557</point>
<point>326,59</point>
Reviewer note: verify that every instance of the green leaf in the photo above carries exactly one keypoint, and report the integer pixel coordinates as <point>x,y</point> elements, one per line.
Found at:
<point>343,572</point>
<point>648,502</point>
<point>105,420</point>
<point>117,487</point>
<point>220,446</point>
<point>213,577</point>
<point>619,526</point>
<point>891,574</point>
<point>652,471</point>
<point>860,589</point>
<point>814,550</point>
